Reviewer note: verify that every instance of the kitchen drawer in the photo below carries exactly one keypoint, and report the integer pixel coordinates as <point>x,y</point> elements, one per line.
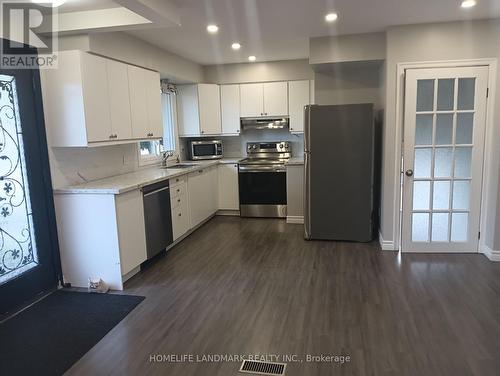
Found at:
<point>178,200</point>
<point>178,180</point>
<point>180,221</point>
<point>178,190</point>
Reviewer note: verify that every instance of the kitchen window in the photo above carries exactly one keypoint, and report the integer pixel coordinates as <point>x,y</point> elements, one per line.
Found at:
<point>150,152</point>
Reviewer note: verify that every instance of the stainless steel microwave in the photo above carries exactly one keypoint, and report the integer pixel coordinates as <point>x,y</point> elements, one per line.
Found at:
<point>199,150</point>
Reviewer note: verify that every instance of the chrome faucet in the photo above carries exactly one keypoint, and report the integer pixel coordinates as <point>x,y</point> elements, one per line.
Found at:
<point>164,157</point>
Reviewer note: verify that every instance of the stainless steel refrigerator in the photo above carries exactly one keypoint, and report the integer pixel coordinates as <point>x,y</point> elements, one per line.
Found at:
<point>339,172</point>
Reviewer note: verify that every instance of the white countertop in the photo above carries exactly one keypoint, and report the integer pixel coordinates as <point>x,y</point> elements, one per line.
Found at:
<point>295,161</point>
<point>137,179</point>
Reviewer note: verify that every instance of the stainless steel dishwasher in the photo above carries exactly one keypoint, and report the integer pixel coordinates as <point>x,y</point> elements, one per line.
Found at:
<point>157,217</point>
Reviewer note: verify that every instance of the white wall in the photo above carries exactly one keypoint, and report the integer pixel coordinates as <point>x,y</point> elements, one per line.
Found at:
<point>348,84</point>
<point>132,50</point>
<point>434,42</point>
<point>347,48</point>
<point>286,70</point>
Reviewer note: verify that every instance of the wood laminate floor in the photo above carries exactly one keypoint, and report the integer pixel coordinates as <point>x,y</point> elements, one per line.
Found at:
<point>253,286</point>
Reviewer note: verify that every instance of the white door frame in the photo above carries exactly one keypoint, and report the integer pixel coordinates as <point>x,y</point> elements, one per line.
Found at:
<point>487,195</point>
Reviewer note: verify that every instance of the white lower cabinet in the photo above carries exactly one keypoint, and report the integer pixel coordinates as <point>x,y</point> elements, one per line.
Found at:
<point>213,173</point>
<point>228,187</point>
<point>295,193</point>
<point>203,194</point>
<point>103,235</point>
<point>100,236</point>
<point>180,206</point>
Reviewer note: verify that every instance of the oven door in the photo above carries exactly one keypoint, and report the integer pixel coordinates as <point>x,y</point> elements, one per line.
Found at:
<point>262,191</point>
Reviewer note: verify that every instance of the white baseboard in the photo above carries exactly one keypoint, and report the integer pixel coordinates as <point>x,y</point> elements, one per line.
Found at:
<point>386,245</point>
<point>131,273</point>
<point>295,219</point>
<point>490,253</point>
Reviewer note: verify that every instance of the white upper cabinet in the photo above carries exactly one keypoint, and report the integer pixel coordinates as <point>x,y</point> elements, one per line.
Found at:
<point>209,107</point>
<point>119,100</point>
<point>187,110</point>
<point>145,103</point>
<point>299,97</point>
<point>90,101</point>
<point>267,99</point>
<point>153,95</point>
<point>94,84</point>
<point>138,91</point>
<point>230,109</point>
<point>198,110</point>
<point>275,99</point>
<point>252,100</point>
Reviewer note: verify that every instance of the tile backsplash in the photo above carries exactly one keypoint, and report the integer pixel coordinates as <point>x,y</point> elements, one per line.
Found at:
<point>71,166</point>
<point>235,146</point>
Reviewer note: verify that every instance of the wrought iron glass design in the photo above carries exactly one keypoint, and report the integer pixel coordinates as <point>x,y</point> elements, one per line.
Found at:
<point>17,238</point>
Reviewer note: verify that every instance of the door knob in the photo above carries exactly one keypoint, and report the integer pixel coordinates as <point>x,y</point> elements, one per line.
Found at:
<point>409,172</point>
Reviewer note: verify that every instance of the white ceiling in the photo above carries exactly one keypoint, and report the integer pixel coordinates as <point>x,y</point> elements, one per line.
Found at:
<point>280,29</point>
<point>84,5</point>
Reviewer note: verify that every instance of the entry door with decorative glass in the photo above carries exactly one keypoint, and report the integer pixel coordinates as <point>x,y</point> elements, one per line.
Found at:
<point>29,261</point>
<point>445,116</point>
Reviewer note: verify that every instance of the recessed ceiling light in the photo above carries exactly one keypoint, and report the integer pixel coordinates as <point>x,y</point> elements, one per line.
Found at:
<point>212,29</point>
<point>54,3</point>
<point>252,58</point>
<point>468,3</point>
<point>330,17</point>
<point>236,46</point>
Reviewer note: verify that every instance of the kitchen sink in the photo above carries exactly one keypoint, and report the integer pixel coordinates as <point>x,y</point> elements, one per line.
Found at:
<point>180,166</point>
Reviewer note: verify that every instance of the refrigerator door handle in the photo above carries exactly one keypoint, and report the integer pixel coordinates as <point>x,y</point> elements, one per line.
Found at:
<point>307,126</point>
<point>307,196</point>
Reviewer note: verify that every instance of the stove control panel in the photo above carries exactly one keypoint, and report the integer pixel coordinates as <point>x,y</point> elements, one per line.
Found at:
<point>268,147</point>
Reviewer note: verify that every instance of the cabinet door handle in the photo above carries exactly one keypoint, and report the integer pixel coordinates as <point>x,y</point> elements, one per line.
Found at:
<point>178,190</point>
<point>200,171</point>
<point>180,214</point>
<point>178,200</point>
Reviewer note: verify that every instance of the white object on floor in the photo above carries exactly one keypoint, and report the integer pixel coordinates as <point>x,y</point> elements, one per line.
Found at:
<point>98,285</point>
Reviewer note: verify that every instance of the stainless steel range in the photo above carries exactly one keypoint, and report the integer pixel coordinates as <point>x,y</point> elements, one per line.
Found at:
<point>262,179</point>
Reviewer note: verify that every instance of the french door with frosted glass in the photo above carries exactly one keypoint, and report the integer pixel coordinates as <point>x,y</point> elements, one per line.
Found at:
<point>445,118</point>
